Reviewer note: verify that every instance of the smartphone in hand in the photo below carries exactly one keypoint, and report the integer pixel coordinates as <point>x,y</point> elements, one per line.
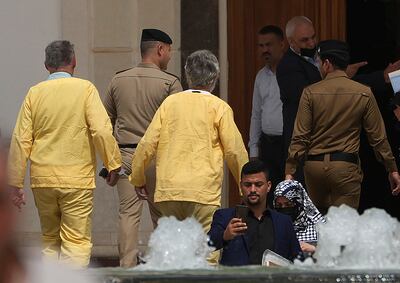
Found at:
<point>241,212</point>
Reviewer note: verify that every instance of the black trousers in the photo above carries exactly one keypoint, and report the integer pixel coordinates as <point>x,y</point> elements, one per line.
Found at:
<point>272,154</point>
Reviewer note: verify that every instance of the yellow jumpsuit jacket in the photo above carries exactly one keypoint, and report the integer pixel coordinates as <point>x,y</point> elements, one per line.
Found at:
<point>60,126</point>
<point>191,134</point>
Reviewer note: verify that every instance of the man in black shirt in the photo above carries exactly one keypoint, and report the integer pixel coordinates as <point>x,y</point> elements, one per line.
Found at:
<point>244,240</point>
<point>260,233</point>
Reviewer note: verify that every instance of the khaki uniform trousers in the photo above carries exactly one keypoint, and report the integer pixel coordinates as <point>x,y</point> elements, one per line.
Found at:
<point>184,209</point>
<point>333,183</point>
<point>130,211</point>
<point>65,219</point>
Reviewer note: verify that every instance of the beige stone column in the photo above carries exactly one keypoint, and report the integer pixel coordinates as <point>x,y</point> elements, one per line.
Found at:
<point>107,34</point>
<point>223,80</point>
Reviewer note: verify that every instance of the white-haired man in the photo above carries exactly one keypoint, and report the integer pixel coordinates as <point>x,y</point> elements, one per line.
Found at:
<point>191,134</point>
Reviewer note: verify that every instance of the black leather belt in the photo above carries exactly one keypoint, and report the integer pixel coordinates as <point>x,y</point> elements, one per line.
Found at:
<point>128,145</point>
<point>336,156</point>
<point>271,138</point>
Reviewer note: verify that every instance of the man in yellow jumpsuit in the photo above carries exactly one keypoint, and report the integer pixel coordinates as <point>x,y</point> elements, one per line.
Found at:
<point>61,124</point>
<point>191,134</point>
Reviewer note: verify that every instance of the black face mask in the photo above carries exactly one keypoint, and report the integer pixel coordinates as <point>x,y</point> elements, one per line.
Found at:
<point>308,52</point>
<point>291,211</point>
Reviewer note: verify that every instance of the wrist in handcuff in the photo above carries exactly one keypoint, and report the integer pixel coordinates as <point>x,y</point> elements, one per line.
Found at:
<point>123,172</point>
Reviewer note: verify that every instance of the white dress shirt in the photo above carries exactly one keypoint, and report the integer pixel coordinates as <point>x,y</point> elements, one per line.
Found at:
<point>266,115</point>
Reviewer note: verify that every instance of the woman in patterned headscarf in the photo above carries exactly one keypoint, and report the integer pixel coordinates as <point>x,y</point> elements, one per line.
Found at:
<point>292,199</point>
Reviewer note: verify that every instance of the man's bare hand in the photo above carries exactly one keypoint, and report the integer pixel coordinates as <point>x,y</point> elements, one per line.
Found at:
<point>142,192</point>
<point>397,112</point>
<point>18,197</point>
<point>352,69</point>
<point>390,68</point>
<point>394,179</point>
<point>235,228</point>
<point>112,177</point>
<point>306,247</point>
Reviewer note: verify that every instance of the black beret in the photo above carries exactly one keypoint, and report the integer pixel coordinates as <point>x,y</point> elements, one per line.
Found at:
<point>155,35</point>
<point>334,48</point>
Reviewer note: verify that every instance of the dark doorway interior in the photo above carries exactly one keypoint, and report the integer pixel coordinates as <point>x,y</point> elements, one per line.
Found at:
<point>373,33</point>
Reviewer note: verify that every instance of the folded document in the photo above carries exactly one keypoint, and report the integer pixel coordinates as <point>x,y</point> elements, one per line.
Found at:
<point>395,80</point>
<point>273,259</point>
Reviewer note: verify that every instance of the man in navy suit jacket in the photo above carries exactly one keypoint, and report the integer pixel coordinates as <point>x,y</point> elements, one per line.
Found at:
<point>243,242</point>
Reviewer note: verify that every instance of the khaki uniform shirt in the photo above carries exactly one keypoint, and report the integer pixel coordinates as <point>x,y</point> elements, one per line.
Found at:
<point>133,98</point>
<point>330,117</point>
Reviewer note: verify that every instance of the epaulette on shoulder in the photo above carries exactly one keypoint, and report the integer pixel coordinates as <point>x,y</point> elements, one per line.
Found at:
<point>123,70</point>
<point>367,87</point>
<point>366,91</point>
<point>175,76</point>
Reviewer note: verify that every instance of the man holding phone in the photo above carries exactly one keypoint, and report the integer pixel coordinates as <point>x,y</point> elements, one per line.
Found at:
<point>243,234</point>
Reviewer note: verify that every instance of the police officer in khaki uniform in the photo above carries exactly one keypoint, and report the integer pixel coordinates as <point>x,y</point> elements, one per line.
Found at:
<point>327,133</point>
<point>132,99</point>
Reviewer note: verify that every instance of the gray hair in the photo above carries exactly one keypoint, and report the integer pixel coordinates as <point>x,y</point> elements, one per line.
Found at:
<point>294,22</point>
<point>59,53</point>
<point>202,70</point>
